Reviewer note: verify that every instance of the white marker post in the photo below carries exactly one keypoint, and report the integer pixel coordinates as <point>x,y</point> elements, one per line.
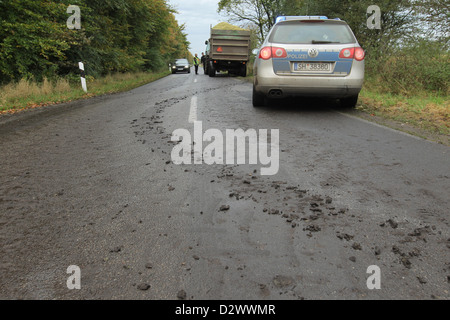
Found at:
<point>83,77</point>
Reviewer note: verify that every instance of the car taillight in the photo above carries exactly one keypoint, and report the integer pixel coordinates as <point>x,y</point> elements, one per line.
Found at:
<point>347,53</point>
<point>265,53</point>
<point>278,53</point>
<point>352,53</point>
<point>360,54</point>
<point>272,52</point>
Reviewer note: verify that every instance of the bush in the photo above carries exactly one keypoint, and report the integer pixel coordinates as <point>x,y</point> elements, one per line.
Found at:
<point>116,36</point>
<point>422,66</point>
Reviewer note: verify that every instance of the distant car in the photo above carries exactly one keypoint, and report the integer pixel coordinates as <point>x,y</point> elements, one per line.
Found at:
<point>310,56</point>
<point>181,65</point>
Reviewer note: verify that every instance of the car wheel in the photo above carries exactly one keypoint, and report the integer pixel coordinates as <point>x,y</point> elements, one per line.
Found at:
<point>349,102</point>
<point>212,70</point>
<point>258,99</point>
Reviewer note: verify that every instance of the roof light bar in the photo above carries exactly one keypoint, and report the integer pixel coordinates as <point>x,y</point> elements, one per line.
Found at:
<point>280,18</point>
<point>286,18</point>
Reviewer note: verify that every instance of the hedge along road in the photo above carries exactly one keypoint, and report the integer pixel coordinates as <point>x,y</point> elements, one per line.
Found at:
<point>92,184</point>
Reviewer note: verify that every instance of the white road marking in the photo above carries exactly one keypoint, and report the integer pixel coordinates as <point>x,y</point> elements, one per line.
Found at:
<point>384,127</point>
<point>195,81</point>
<point>193,111</point>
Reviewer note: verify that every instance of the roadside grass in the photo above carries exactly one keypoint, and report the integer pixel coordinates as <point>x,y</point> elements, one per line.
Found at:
<point>25,94</point>
<point>429,111</point>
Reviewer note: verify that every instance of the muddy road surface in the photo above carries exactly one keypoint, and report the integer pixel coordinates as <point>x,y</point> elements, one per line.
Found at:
<point>93,184</point>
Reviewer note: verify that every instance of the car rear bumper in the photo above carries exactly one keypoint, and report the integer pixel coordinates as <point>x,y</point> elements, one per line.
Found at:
<point>273,85</point>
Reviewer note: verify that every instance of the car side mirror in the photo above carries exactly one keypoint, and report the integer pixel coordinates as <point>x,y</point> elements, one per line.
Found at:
<point>206,42</point>
<point>255,51</point>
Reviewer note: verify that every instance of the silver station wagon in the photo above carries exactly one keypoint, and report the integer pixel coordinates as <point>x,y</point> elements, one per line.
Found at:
<point>310,56</point>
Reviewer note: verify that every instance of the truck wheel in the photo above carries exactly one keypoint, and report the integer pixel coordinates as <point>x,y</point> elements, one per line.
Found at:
<point>243,72</point>
<point>211,70</point>
<point>258,99</point>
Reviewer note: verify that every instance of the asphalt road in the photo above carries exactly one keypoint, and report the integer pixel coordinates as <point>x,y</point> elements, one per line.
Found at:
<point>93,184</point>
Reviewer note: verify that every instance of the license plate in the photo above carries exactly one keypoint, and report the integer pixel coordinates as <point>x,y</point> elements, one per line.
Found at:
<point>313,67</point>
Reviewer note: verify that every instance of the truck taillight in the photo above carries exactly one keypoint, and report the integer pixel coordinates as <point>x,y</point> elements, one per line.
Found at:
<point>272,52</point>
<point>353,53</point>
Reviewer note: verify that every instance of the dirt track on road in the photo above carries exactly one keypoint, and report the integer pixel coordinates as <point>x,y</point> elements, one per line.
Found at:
<point>92,184</point>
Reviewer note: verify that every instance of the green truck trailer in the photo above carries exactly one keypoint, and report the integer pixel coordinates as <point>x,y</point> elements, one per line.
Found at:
<point>228,49</point>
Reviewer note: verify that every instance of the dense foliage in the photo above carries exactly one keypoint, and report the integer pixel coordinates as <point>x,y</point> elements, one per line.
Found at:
<point>115,36</point>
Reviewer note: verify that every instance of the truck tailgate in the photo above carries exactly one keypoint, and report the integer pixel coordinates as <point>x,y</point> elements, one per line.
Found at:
<point>230,45</point>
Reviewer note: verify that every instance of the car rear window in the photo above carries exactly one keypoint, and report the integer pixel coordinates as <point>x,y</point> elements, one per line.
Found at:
<point>317,32</point>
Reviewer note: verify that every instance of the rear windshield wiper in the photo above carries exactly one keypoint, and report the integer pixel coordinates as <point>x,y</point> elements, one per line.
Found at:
<point>323,42</point>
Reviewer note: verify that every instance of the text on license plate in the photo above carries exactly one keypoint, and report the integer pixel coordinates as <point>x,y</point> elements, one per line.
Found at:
<point>312,66</point>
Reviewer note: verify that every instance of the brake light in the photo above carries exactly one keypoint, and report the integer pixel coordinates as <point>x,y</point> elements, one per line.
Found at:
<point>265,53</point>
<point>352,53</point>
<point>359,54</point>
<point>272,52</point>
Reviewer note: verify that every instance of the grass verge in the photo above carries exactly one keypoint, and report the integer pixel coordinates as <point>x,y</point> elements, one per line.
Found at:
<point>24,94</point>
<point>428,112</point>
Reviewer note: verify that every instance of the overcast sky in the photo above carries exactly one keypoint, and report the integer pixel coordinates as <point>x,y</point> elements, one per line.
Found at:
<point>198,15</point>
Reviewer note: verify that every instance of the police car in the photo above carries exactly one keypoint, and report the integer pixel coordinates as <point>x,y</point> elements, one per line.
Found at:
<point>310,56</point>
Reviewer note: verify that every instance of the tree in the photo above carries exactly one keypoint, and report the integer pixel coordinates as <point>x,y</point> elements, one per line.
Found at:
<point>434,16</point>
<point>32,42</point>
<point>396,18</point>
<point>261,13</point>
<point>116,36</point>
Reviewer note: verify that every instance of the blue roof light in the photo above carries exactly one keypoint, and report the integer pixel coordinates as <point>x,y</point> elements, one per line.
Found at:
<point>285,18</point>
<point>280,18</point>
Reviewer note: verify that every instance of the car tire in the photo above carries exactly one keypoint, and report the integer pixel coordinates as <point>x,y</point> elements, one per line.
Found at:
<point>350,102</point>
<point>258,99</point>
